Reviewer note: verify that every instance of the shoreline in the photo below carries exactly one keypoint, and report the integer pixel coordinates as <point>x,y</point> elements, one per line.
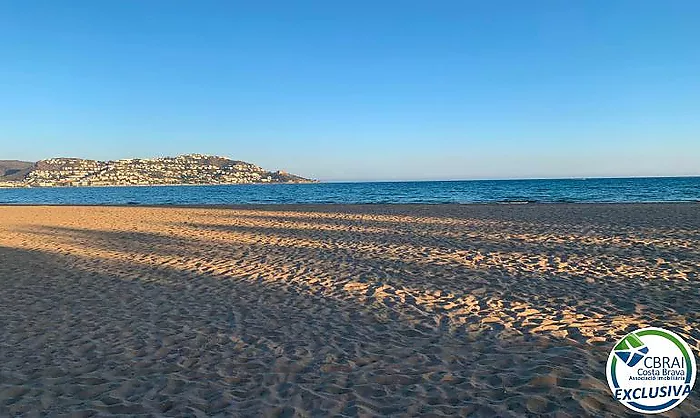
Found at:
<point>154,185</point>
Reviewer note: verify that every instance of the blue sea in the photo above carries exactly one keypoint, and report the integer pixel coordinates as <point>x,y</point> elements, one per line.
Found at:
<point>603,190</point>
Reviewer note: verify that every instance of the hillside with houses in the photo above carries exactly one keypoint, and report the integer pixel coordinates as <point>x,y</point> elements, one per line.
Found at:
<point>181,170</point>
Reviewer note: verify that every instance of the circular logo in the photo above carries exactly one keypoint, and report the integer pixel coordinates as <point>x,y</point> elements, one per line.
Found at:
<point>651,370</point>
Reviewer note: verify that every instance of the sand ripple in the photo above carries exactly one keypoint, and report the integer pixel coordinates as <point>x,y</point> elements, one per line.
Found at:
<point>336,310</point>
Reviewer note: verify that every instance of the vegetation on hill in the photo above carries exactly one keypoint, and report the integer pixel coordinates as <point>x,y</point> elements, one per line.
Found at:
<point>12,170</point>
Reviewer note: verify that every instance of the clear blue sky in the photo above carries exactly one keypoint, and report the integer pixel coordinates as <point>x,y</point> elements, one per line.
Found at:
<point>359,90</point>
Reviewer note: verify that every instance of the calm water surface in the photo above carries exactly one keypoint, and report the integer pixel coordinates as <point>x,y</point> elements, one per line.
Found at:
<point>668,189</point>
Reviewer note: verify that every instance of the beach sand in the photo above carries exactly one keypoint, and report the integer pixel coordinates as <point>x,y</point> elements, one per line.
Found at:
<point>490,310</point>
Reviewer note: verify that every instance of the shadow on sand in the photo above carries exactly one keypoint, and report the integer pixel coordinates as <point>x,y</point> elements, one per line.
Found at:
<point>227,318</point>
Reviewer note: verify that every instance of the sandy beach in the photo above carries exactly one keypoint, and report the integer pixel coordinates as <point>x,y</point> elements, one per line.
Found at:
<point>327,310</point>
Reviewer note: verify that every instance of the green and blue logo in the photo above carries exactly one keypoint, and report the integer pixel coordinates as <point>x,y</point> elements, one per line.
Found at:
<point>651,370</point>
<point>631,350</point>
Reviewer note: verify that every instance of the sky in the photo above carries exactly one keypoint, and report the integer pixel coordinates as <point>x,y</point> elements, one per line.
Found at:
<point>359,90</point>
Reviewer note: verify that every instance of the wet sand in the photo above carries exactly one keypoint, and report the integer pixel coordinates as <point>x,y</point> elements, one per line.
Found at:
<point>490,310</point>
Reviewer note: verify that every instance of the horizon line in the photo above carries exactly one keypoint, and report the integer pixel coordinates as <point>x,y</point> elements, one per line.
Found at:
<point>515,179</point>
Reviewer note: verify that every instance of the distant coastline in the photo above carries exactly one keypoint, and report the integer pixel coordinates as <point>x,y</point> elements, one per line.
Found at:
<point>121,186</point>
<point>190,169</point>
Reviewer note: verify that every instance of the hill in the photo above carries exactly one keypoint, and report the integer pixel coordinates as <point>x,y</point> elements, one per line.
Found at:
<point>11,170</point>
<point>183,169</point>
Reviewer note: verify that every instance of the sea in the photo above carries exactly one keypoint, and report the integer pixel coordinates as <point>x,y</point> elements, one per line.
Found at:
<point>595,190</point>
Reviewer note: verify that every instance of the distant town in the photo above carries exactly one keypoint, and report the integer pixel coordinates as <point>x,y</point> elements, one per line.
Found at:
<point>181,170</point>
